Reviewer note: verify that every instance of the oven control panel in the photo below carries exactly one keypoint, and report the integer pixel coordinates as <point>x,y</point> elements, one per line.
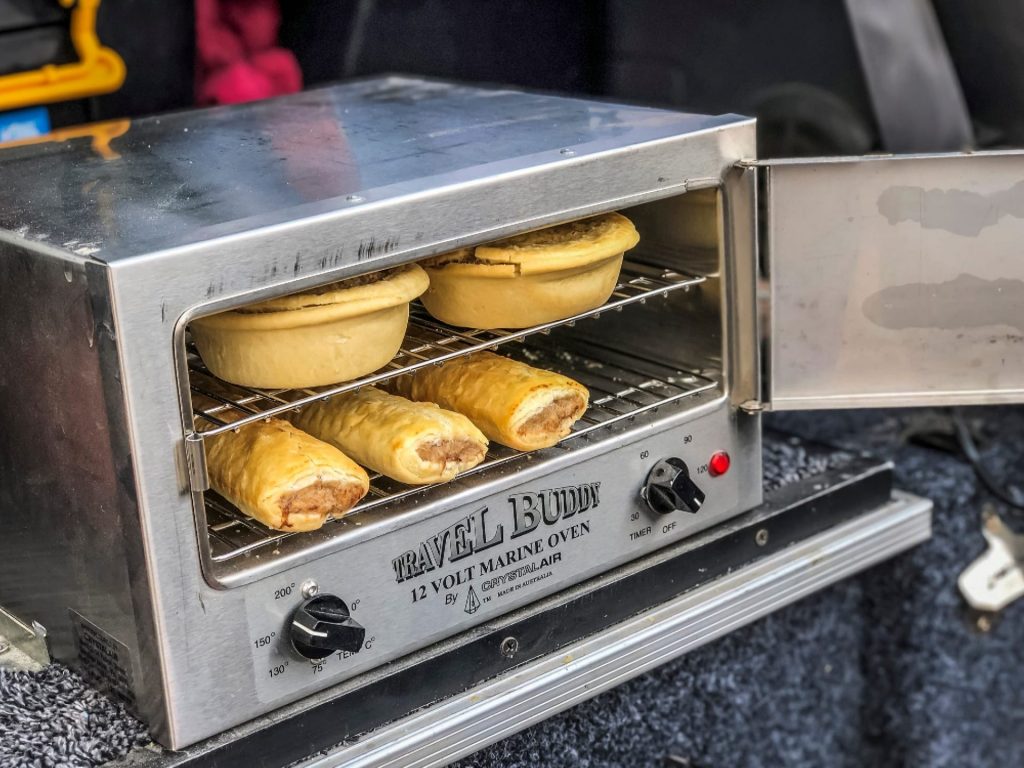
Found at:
<point>355,609</point>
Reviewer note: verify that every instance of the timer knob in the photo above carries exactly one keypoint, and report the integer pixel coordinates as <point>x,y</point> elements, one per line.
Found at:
<point>322,625</point>
<point>668,488</point>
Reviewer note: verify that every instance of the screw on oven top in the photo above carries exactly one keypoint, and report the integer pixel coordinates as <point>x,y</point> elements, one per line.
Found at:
<point>668,488</point>
<point>322,626</point>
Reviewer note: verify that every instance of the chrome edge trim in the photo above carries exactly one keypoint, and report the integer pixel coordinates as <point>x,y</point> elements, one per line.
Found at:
<point>462,725</point>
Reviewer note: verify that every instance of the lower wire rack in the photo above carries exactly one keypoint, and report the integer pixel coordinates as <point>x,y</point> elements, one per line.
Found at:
<point>617,394</point>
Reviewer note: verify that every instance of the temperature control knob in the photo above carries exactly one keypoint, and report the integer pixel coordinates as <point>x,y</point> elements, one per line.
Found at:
<point>322,626</point>
<point>668,488</point>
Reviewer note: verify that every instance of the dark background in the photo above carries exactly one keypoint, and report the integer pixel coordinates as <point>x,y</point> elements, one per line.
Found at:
<point>791,63</point>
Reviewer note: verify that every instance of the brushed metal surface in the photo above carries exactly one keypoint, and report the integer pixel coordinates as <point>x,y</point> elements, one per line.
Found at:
<point>895,281</point>
<point>190,176</point>
<point>183,227</point>
<point>739,305</point>
<point>498,708</point>
<point>68,512</point>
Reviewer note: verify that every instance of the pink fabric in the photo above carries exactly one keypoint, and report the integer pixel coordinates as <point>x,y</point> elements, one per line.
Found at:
<point>280,67</point>
<point>238,58</point>
<point>255,21</point>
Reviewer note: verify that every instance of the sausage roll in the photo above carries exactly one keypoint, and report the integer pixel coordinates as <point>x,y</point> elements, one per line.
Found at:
<point>409,442</point>
<point>279,475</point>
<point>512,403</point>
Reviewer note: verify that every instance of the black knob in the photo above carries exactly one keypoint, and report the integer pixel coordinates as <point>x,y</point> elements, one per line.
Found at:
<point>322,625</point>
<point>668,488</point>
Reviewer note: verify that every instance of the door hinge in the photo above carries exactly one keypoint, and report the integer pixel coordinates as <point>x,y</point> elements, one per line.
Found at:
<point>195,458</point>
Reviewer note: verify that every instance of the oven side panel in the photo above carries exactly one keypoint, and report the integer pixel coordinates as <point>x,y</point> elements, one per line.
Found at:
<point>69,546</point>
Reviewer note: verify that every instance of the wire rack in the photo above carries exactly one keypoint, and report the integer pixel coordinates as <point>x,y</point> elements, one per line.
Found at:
<point>617,395</point>
<point>427,342</point>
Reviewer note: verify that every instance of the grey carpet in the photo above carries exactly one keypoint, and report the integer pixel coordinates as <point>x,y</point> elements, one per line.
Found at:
<point>52,718</point>
<point>788,459</point>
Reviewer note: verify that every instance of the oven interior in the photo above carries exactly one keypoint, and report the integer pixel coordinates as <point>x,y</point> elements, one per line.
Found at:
<point>655,344</point>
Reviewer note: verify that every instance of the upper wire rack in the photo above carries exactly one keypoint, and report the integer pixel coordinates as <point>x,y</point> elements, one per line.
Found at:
<point>427,342</point>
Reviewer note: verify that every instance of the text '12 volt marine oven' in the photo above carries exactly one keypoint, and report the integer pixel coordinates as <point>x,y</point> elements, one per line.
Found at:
<point>745,285</point>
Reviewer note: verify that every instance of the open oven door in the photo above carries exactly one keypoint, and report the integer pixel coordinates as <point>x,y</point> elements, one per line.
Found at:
<point>891,281</point>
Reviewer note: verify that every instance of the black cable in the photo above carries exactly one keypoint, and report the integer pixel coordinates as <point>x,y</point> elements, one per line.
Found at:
<point>1009,495</point>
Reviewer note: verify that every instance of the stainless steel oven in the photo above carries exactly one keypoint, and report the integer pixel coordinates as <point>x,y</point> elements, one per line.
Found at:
<point>796,284</point>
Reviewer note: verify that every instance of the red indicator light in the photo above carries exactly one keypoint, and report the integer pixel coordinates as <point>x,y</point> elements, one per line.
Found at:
<point>719,464</point>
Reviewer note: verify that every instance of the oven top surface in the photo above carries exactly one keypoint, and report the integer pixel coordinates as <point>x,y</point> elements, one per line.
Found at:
<point>130,188</point>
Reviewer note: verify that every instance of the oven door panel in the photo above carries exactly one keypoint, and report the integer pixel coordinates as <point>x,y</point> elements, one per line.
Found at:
<point>892,281</point>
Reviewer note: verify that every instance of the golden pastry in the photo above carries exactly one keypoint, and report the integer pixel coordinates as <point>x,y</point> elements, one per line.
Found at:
<point>529,279</point>
<point>336,333</point>
<point>512,403</point>
<point>407,441</point>
<point>288,480</point>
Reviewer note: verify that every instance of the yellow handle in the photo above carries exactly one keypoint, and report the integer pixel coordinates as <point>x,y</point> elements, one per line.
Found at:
<point>101,133</point>
<point>98,70</point>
